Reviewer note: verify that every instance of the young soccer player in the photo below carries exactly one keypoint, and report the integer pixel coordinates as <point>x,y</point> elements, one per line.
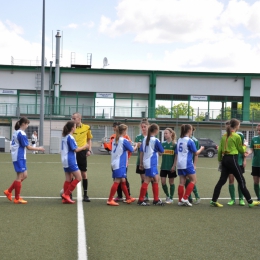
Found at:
<point>195,159</point>
<point>255,148</point>
<point>185,150</point>
<point>149,150</point>
<point>18,151</point>
<point>139,139</point>
<point>231,187</point>
<point>167,164</point>
<point>119,158</point>
<point>109,146</point>
<point>69,149</point>
<point>229,148</point>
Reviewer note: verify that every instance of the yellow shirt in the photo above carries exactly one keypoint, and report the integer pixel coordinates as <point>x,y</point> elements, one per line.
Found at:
<point>82,134</point>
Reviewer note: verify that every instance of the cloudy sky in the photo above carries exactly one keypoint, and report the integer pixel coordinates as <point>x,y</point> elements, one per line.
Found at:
<point>179,35</point>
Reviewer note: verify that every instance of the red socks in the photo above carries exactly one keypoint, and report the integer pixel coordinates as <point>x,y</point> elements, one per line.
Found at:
<point>17,187</point>
<point>180,192</point>
<point>66,185</point>
<point>143,191</point>
<point>124,189</point>
<point>113,190</point>
<point>155,191</point>
<point>11,187</point>
<point>72,186</point>
<point>189,190</point>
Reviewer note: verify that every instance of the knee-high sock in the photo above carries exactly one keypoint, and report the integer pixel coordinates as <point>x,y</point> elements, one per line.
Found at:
<point>146,194</point>
<point>180,191</point>
<point>188,190</point>
<point>231,188</point>
<point>124,189</point>
<point>113,190</point>
<point>155,191</point>
<point>66,185</point>
<point>11,187</point>
<point>172,189</point>
<point>143,190</point>
<point>240,194</point>
<point>256,188</point>
<point>165,189</point>
<point>196,193</point>
<point>85,187</point>
<point>128,186</point>
<point>71,187</point>
<point>17,187</point>
<point>119,192</point>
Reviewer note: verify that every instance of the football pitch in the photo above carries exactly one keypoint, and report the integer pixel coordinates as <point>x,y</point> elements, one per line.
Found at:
<point>46,229</point>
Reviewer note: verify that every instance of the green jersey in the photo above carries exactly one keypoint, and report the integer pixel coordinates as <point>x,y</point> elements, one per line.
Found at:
<point>195,140</point>
<point>230,145</point>
<point>255,145</point>
<point>168,155</point>
<point>138,139</point>
<point>240,155</point>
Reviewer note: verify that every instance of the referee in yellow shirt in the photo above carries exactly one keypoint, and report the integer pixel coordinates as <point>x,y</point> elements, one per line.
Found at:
<point>82,136</point>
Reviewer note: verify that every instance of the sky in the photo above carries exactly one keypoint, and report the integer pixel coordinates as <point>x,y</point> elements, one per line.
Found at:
<point>172,35</point>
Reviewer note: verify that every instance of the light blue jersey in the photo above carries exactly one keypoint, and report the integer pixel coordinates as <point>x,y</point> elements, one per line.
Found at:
<point>119,157</point>
<point>18,146</point>
<point>185,149</point>
<point>150,157</point>
<point>68,146</point>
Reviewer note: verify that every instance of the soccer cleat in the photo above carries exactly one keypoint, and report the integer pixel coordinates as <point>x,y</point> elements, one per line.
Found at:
<point>158,203</point>
<point>181,203</point>
<point>146,199</point>
<point>254,203</point>
<point>186,202</point>
<point>231,203</point>
<point>20,201</point>
<point>190,200</point>
<point>168,200</point>
<point>130,200</point>
<point>142,203</point>
<point>112,203</point>
<point>197,201</point>
<point>86,199</point>
<point>67,198</point>
<point>118,199</point>
<point>216,204</point>
<point>241,202</point>
<point>8,195</point>
<point>66,202</point>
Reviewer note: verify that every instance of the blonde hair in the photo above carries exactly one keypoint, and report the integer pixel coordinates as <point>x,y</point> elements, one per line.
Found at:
<point>119,130</point>
<point>173,134</point>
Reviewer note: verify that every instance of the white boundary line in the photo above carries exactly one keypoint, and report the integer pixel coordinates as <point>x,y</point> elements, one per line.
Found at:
<point>82,243</point>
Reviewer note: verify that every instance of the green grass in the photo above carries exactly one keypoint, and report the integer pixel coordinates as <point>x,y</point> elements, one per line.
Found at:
<point>47,229</point>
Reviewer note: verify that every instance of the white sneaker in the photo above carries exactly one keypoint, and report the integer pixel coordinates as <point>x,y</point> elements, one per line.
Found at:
<point>186,202</point>
<point>197,201</point>
<point>181,203</point>
<point>168,200</point>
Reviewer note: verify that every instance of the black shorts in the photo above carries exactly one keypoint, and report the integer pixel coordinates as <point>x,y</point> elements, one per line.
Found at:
<point>255,171</point>
<point>165,173</point>
<point>82,160</point>
<point>138,171</point>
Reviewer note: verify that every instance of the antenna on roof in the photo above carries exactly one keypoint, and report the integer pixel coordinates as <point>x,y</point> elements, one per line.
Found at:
<point>105,62</point>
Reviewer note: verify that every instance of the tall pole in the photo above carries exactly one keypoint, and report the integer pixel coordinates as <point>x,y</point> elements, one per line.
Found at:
<point>42,76</point>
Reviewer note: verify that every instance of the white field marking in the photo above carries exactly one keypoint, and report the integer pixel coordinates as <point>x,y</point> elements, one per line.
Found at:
<point>82,243</point>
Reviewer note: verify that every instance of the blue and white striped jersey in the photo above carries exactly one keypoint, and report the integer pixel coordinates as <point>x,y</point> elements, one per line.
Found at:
<point>18,146</point>
<point>150,157</point>
<point>119,156</point>
<point>185,149</point>
<point>68,156</point>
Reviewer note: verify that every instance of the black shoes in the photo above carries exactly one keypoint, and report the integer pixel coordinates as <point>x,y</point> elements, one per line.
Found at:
<point>86,199</point>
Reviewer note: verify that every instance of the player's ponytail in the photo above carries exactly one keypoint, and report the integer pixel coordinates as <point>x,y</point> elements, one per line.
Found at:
<point>185,129</point>
<point>233,125</point>
<point>119,131</point>
<point>23,120</point>
<point>151,130</point>
<point>67,128</point>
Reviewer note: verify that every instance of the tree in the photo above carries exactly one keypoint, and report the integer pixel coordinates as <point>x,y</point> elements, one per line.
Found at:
<point>162,110</point>
<point>201,117</point>
<point>182,109</point>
